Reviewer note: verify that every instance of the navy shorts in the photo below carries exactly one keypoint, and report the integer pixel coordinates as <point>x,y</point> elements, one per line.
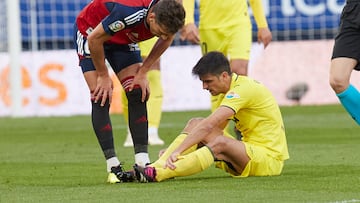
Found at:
<point>118,56</point>
<point>347,41</point>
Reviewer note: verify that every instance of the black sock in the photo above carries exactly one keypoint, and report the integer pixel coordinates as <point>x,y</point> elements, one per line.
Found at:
<point>138,123</point>
<point>103,128</point>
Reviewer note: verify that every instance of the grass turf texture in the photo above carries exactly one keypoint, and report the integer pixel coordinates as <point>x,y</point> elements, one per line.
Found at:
<point>57,159</point>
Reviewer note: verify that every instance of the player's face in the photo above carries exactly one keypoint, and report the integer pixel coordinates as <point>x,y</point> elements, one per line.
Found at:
<point>157,29</point>
<point>215,84</point>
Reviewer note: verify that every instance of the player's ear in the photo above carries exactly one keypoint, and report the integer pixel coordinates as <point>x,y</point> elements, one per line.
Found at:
<point>224,74</point>
<point>151,17</point>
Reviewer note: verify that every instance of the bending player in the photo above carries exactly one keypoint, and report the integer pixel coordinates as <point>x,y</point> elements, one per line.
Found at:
<point>112,34</point>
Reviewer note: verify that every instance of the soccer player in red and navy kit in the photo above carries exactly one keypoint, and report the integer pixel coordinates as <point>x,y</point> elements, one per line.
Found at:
<point>110,30</point>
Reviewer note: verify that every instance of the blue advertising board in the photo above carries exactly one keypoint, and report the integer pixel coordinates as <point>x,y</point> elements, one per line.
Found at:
<point>54,21</point>
<point>303,14</point>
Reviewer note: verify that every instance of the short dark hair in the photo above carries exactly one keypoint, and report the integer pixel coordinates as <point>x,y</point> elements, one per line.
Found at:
<point>170,14</point>
<point>213,63</point>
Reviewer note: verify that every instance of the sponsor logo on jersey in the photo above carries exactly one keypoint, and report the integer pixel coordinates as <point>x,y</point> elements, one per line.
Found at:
<point>232,95</point>
<point>117,26</point>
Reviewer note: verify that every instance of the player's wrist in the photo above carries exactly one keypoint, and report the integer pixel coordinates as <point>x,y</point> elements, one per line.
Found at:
<point>143,70</point>
<point>103,74</point>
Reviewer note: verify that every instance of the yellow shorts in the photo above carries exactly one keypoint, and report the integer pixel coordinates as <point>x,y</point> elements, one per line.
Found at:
<point>146,46</point>
<point>234,42</point>
<point>260,164</point>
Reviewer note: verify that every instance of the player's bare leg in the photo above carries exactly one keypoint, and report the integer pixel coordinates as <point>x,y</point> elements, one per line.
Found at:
<point>340,72</point>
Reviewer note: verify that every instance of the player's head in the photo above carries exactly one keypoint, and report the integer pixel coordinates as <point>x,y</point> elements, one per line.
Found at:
<point>213,63</point>
<point>166,18</point>
<point>213,69</point>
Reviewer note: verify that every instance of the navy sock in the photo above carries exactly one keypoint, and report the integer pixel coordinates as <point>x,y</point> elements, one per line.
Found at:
<point>103,128</point>
<point>138,123</point>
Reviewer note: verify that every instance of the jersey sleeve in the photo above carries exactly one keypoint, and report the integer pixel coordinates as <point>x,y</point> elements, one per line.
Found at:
<point>189,6</point>
<point>121,17</point>
<point>259,14</point>
<point>234,99</point>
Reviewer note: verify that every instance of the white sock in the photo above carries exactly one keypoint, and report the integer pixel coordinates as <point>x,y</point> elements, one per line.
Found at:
<point>152,130</point>
<point>113,161</point>
<point>142,159</point>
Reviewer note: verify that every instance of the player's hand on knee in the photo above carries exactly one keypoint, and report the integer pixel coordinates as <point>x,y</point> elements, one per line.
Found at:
<point>103,90</point>
<point>141,81</point>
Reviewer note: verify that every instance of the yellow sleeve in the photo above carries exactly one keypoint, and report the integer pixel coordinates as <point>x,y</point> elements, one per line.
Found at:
<point>189,6</point>
<point>259,14</point>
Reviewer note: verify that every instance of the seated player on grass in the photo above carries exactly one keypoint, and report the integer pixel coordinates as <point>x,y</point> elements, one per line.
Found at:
<point>256,114</point>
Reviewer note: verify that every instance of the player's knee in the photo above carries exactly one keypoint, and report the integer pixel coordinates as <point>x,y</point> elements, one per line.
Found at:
<point>338,84</point>
<point>134,95</point>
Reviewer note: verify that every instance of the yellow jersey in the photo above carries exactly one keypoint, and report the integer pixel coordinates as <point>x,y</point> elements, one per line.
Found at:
<point>257,115</point>
<point>223,13</point>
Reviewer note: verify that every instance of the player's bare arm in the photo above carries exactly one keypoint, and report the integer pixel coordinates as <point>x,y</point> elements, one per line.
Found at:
<point>104,84</point>
<point>203,132</point>
<point>264,34</point>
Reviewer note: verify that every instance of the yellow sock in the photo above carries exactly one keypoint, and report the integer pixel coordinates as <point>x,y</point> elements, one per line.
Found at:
<point>187,165</point>
<point>174,144</point>
<point>154,104</point>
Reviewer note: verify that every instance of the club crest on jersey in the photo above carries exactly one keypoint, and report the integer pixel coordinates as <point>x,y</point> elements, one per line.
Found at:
<point>117,26</point>
<point>232,95</point>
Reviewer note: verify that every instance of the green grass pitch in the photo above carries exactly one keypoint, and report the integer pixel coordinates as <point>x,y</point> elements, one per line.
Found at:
<point>57,159</point>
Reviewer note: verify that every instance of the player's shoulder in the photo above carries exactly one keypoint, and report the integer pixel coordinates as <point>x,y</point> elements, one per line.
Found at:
<point>132,3</point>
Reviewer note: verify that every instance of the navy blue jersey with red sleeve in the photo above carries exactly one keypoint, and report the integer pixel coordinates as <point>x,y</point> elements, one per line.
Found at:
<point>125,20</point>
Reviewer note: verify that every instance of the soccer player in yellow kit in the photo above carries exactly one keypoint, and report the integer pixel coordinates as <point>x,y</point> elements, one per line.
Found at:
<point>256,114</point>
<point>228,30</point>
<point>154,103</point>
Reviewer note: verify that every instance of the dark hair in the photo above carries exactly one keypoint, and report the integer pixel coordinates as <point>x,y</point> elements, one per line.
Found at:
<point>213,63</point>
<point>170,14</point>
